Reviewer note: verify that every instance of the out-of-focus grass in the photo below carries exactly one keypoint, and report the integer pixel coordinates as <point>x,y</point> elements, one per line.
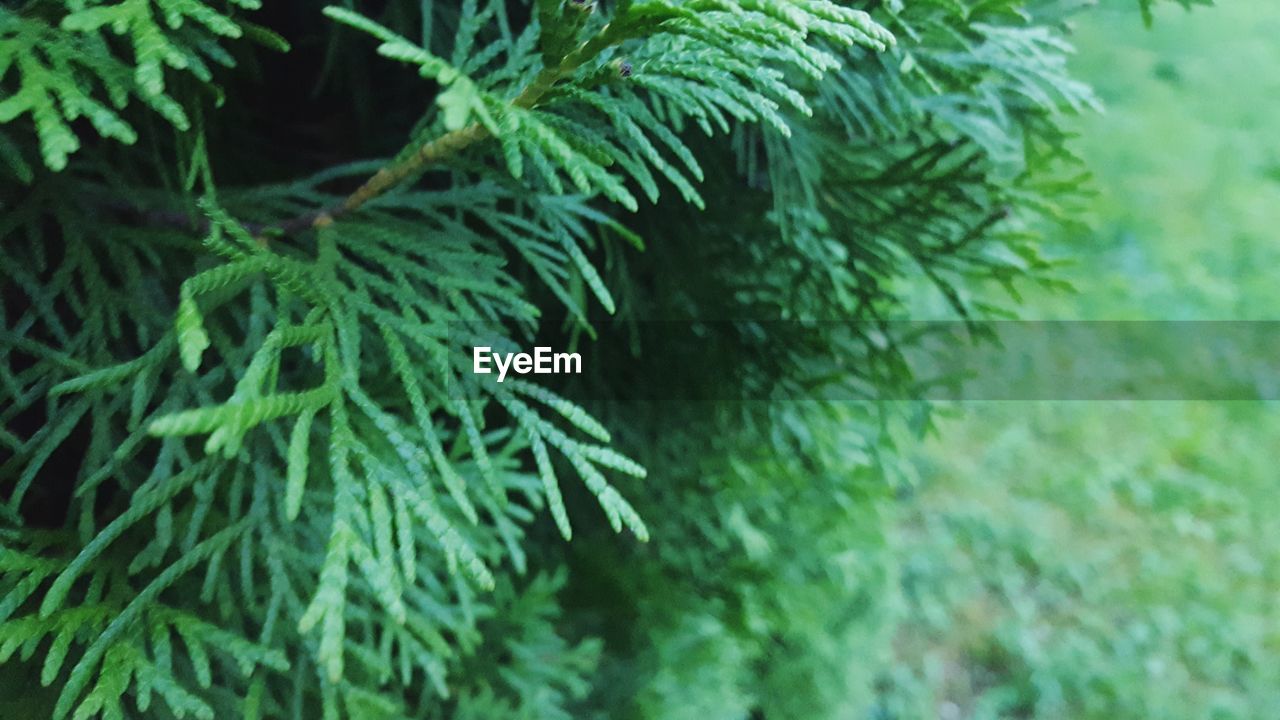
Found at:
<point>1122,560</point>
<point>1083,561</point>
<point>1187,166</point>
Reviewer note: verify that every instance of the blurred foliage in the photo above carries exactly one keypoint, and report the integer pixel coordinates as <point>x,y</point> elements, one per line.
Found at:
<point>1122,560</point>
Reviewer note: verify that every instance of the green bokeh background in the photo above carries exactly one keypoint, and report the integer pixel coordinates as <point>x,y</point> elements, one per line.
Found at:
<point>1122,559</point>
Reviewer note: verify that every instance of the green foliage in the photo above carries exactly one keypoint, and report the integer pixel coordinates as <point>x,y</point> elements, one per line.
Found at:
<point>1118,560</point>
<point>239,407</point>
<point>57,62</point>
<point>1147,5</point>
<point>1160,609</point>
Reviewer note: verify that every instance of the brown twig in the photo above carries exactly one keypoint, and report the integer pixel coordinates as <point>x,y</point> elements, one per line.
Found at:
<point>397,171</point>
<point>451,142</point>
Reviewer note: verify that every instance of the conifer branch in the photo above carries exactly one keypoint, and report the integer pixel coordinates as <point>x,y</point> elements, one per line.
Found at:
<point>454,141</point>
<point>376,481</point>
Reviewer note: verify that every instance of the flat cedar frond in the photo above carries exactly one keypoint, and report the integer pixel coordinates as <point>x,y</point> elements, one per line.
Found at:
<point>68,67</point>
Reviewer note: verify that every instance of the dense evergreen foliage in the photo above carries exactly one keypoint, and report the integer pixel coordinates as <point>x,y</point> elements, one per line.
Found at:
<point>246,470</point>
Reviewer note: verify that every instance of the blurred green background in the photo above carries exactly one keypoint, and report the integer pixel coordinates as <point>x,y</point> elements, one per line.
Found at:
<point>1122,559</point>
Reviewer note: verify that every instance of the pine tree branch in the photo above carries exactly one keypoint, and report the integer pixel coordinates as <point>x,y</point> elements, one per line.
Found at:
<point>381,182</point>
<point>389,176</point>
<point>392,175</point>
<point>452,142</point>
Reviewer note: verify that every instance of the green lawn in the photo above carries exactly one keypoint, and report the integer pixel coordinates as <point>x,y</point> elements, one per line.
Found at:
<point>1186,160</point>
<point>1122,559</point>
